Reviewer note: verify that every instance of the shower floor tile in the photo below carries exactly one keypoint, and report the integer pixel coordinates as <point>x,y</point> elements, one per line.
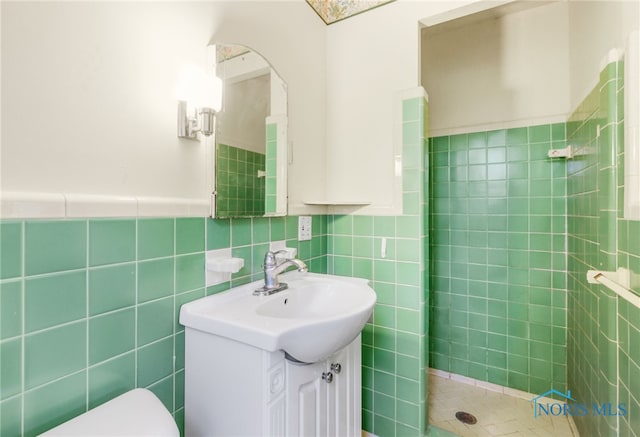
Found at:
<point>497,414</point>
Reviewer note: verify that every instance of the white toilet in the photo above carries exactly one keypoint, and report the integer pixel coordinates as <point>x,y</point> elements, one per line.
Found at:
<point>135,413</point>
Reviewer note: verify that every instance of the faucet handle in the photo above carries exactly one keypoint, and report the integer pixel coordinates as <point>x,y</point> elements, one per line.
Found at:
<point>270,257</point>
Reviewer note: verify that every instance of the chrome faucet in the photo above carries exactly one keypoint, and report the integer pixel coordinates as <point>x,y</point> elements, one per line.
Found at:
<point>271,271</point>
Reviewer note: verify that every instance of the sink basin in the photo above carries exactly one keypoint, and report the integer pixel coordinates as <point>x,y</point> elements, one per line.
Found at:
<point>315,317</point>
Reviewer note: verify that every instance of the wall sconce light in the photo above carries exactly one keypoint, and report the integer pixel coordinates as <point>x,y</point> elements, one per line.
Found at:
<point>199,98</point>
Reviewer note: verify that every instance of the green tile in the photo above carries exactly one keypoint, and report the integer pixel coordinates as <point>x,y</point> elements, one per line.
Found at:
<point>155,238</point>
<point>496,138</point>
<point>459,142</point>
<point>179,350</point>
<point>277,228</point>
<point>408,367</point>
<point>156,278</point>
<point>10,309</point>
<point>408,250</point>
<point>111,288</point>
<point>240,232</point>
<point>384,316</point>
<point>408,273</point>
<point>111,334</point>
<point>271,129</point>
<point>52,246</point>
<point>384,271</point>
<point>384,338</point>
<point>383,426</point>
<point>407,390</point>
<point>218,234</point>
<point>384,383</point>
<point>411,109</point>
<point>10,368</point>
<point>155,361</point>
<point>163,390</point>
<point>363,268</point>
<point>408,320</point>
<point>384,226</point>
<point>190,272</point>
<point>410,136</point>
<point>11,417</point>
<point>54,299</point>
<point>155,320</point>
<point>190,235</point>
<point>363,225</point>
<point>517,136</point>
<point>384,360</point>
<point>55,403</point>
<point>111,378</point>
<point>260,230</point>
<point>343,245</point>
<point>408,344</point>
<point>477,140</point>
<point>54,353</point>
<point>10,249</point>
<point>111,241</point>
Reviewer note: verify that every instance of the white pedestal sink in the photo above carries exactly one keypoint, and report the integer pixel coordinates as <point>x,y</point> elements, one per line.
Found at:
<point>280,365</point>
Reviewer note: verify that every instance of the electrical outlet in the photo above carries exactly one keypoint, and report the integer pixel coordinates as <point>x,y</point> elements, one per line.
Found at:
<point>304,228</point>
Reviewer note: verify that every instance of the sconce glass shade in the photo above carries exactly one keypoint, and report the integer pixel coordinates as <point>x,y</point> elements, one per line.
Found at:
<point>212,93</point>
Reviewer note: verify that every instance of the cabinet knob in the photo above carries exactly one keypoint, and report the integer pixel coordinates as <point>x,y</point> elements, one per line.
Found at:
<point>336,367</point>
<point>327,376</point>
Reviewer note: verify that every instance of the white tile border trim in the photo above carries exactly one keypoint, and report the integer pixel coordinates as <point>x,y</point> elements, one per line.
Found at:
<point>25,205</point>
<point>498,389</point>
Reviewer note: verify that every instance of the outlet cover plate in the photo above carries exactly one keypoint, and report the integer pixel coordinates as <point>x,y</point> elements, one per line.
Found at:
<point>304,228</point>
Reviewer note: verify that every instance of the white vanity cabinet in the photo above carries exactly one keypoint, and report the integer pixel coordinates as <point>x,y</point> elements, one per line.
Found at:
<point>324,399</point>
<point>234,389</point>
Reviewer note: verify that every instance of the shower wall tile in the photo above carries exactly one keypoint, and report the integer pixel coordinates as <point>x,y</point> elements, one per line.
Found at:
<point>94,309</point>
<point>497,211</point>
<point>602,359</point>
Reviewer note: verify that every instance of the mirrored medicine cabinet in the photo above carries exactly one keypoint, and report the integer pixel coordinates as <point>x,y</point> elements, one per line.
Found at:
<point>250,136</point>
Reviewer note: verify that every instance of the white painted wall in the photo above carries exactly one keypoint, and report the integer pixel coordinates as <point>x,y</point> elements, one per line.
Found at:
<point>595,28</point>
<point>499,70</point>
<point>371,58</point>
<point>88,101</point>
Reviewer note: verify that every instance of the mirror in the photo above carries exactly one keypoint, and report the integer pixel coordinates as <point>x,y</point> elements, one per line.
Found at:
<point>250,136</point>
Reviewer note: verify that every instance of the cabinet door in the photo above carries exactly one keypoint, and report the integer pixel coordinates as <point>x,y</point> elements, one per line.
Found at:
<point>337,394</point>
<point>306,400</point>
<point>344,393</point>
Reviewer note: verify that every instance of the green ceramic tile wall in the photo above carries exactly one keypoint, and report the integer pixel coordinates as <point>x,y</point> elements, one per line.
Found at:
<point>89,308</point>
<point>394,346</point>
<point>498,279</point>
<point>603,356</point>
<point>240,192</point>
<point>271,166</point>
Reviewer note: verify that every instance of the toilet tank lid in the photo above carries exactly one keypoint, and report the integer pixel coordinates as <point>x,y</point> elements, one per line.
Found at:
<point>135,413</point>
